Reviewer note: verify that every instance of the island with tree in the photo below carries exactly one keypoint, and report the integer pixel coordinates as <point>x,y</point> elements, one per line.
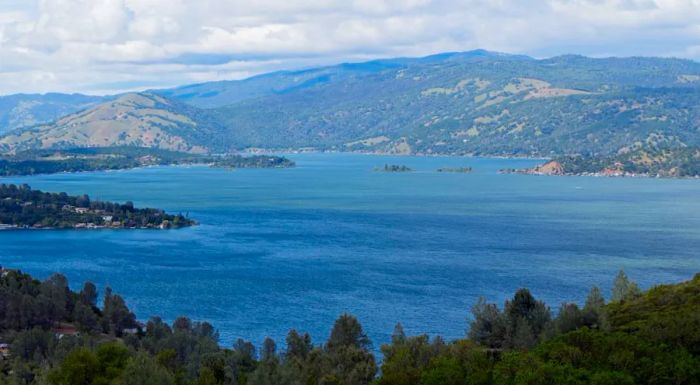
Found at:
<point>24,208</point>
<point>394,168</point>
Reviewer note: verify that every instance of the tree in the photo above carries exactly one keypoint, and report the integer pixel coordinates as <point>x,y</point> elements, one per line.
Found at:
<point>83,201</point>
<point>298,346</point>
<point>444,371</point>
<point>269,350</point>
<point>182,324</point>
<point>570,318</point>
<point>116,315</point>
<point>624,289</point>
<point>593,310</point>
<point>113,358</point>
<point>88,295</point>
<point>347,331</point>
<point>143,370</point>
<point>398,336</point>
<point>524,338</point>
<point>80,367</point>
<point>246,352</point>
<point>86,318</point>
<point>348,353</point>
<point>489,325</point>
<point>56,294</point>
<point>525,309</point>
<point>594,301</point>
<point>268,371</point>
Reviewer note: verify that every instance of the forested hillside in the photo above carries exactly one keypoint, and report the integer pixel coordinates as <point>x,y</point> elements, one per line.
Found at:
<point>475,102</point>
<point>50,334</point>
<point>489,104</point>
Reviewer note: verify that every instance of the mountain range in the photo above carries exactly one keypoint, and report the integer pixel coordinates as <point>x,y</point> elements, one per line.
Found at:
<point>476,102</point>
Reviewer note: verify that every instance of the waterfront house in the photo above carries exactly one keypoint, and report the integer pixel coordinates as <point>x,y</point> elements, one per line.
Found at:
<point>4,350</point>
<point>62,329</point>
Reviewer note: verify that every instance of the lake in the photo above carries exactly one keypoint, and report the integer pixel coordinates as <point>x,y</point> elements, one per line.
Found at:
<point>294,248</point>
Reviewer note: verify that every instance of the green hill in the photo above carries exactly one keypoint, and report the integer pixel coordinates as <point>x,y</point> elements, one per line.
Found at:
<point>476,102</point>
<point>485,105</point>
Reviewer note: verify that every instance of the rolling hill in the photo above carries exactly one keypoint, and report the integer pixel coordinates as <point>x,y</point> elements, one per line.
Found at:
<point>475,102</point>
<point>142,120</point>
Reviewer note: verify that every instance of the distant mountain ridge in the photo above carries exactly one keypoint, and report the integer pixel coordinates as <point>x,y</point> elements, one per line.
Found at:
<point>24,110</point>
<point>223,93</point>
<point>476,102</point>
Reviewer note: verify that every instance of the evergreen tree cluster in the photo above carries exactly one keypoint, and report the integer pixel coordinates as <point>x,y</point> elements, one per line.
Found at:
<point>638,338</point>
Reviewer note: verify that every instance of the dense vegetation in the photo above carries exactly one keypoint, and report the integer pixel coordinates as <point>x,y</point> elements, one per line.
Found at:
<point>60,337</point>
<point>20,206</point>
<point>119,158</point>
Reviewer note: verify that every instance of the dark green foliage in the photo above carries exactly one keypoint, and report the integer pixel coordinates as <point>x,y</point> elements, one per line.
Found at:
<point>644,338</point>
<point>144,370</point>
<point>20,206</point>
<point>347,332</point>
<point>521,324</point>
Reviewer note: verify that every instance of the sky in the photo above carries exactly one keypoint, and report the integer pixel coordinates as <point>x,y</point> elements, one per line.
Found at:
<point>109,46</point>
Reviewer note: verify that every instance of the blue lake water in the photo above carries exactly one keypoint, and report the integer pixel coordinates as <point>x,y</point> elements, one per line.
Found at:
<point>281,249</point>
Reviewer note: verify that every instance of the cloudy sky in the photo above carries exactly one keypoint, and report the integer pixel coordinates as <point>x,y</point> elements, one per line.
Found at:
<point>105,46</point>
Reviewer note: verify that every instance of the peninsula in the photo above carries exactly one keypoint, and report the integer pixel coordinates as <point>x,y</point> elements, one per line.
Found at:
<point>657,163</point>
<point>24,208</point>
<point>120,158</point>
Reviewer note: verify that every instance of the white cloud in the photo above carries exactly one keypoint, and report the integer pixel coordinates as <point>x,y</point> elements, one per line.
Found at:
<point>114,45</point>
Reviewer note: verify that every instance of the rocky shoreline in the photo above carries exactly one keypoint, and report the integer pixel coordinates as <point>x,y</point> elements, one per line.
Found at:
<point>556,168</point>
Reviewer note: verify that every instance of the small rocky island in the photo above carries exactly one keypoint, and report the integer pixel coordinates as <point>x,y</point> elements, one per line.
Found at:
<point>460,170</point>
<point>255,161</point>
<point>24,208</point>
<point>394,168</point>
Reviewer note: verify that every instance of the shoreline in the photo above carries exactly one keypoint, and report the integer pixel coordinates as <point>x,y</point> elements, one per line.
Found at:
<point>597,175</point>
<point>4,227</point>
<point>283,153</point>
